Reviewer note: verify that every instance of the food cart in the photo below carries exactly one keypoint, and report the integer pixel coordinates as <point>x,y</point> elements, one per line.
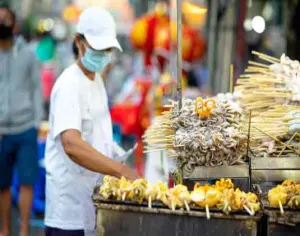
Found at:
<point>127,219</point>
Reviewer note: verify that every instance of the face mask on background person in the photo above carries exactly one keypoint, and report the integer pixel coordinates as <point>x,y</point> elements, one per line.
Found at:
<point>6,32</point>
<point>95,61</point>
<point>6,24</point>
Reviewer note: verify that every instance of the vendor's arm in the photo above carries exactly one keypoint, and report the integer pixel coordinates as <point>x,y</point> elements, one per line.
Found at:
<point>85,155</point>
<point>67,114</point>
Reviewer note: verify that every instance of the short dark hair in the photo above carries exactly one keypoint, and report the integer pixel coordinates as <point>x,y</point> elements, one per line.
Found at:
<point>81,36</point>
<point>75,50</point>
<point>11,12</point>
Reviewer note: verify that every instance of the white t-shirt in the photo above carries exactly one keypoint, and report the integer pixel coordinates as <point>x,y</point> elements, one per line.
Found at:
<point>81,104</point>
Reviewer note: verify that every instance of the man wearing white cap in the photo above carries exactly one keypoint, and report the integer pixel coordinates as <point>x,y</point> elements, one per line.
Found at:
<point>80,141</point>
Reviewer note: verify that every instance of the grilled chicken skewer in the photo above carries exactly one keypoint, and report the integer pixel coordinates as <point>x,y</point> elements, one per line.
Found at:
<point>277,197</point>
<point>150,194</point>
<point>183,196</point>
<point>205,197</point>
<point>137,190</point>
<point>124,188</point>
<point>221,195</point>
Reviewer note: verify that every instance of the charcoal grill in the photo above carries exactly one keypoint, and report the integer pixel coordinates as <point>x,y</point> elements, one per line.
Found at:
<point>267,173</point>
<point>127,218</point>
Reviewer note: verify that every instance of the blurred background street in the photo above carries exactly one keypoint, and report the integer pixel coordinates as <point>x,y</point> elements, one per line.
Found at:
<point>216,34</point>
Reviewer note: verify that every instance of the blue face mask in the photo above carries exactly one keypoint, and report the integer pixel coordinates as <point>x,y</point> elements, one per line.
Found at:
<point>95,61</point>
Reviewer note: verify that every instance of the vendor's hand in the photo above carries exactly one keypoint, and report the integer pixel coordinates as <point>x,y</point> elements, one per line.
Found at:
<point>128,173</point>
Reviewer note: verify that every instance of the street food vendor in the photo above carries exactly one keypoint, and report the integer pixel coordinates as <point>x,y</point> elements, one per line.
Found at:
<point>80,143</point>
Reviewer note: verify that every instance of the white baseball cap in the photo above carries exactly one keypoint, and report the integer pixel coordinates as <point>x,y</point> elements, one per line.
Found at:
<point>99,28</point>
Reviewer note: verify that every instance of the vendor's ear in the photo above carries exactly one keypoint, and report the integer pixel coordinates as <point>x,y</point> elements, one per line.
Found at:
<point>80,45</point>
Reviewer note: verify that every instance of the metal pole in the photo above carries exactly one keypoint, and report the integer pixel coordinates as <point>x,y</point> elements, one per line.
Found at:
<point>212,45</point>
<point>179,52</point>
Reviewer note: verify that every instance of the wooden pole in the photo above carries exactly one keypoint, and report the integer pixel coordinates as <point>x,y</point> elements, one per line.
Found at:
<point>179,66</point>
<point>231,78</point>
<point>179,52</point>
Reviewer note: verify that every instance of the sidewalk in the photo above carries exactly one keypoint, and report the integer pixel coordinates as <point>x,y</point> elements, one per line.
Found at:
<point>37,225</point>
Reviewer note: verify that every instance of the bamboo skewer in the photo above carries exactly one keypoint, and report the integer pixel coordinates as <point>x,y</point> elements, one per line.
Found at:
<point>251,213</point>
<point>281,208</point>
<point>287,144</point>
<point>207,212</point>
<point>263,56</point>
<point>149,202</point>
<point>258,64</point>
<point>276,139</point>
<point>186,205</point>
<point>172,206</point>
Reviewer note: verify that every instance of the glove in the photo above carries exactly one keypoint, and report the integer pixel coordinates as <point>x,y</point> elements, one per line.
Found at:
<point>120,154</point>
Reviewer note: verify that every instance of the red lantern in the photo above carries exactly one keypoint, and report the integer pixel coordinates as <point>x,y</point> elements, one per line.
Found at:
<point>192,43</point>
<point>144,32</point>
<point>162,42</point>
<point>138,35</point>
<point>199,47</point>
<point>71,13</point>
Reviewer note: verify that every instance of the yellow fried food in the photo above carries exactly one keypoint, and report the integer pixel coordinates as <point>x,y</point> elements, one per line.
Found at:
<point>289,182</point>
<point>137,190</point>
<point>124,188</point>
<point>224,184</point>
<point>109,188</point>
<point>198,195</point>
<point>181,191</point>
<point>212,196</point>
<point>277,195</point>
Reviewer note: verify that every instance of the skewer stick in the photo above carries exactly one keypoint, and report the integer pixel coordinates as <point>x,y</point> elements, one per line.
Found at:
<point>265,56</point>
<point>248,210</point>
<point>154,150</point>
<point>207,212</point>
<point>280,207</point>
<point>186,205</point>
<point>149,202</point>
<point>252,210</point>
<point>276,139</point>
<point>172,206</point>
<point>225,206</point>
<point>258,64</point>
<point>287,144</point>
<point>169,105</point>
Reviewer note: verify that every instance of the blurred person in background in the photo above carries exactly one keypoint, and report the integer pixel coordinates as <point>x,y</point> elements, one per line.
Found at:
<point>20,116</point>
<point>46,54</point>
<point>80,142</point>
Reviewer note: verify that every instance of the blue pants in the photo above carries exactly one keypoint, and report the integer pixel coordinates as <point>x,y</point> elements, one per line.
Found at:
<point>20,152</point>
<point>60,232</point>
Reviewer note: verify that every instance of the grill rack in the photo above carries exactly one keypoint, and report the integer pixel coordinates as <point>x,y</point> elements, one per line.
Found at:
<point>156,204</point>
<point>263,198</point>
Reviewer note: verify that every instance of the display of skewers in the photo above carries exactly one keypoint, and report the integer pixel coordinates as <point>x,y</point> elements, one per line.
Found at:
<point>271,90</point>
<point>203,133</point>
<point>286,194</point>
<point>222,196</point>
